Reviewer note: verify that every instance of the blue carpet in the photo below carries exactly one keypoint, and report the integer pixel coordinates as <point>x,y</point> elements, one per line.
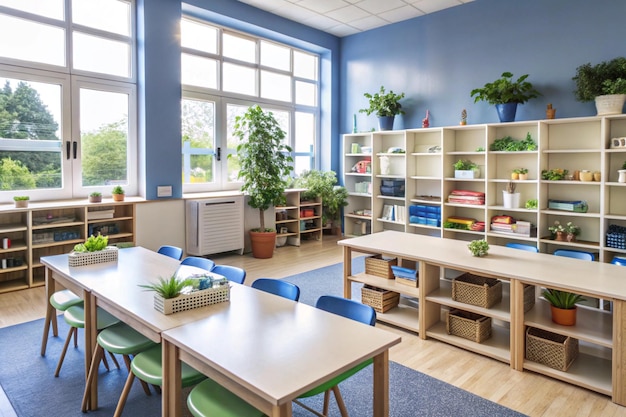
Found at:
<point>29,382</point>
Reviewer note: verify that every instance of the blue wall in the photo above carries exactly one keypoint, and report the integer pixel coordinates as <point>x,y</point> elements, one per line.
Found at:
<point>437,59</point>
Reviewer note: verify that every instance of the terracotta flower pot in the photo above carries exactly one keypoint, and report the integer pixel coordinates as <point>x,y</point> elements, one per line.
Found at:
<point>560,236</point>
<point>562,316</point>
<point>263,244</point>
<point>118,197</point>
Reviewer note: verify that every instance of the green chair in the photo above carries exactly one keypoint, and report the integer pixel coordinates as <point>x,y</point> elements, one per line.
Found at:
<point>123,340</point>
<point>61,301</point>
<point>75,317</point>
<point>209,399</point>
<point>148,367</point>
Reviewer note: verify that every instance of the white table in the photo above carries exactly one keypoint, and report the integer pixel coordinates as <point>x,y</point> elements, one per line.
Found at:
<point>269,350</point>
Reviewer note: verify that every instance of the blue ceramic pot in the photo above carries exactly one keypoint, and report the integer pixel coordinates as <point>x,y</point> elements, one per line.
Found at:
<point>385,122</point>
<point>506,111</point>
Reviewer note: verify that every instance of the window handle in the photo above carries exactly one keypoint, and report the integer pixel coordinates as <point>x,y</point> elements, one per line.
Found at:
<point>74,149</point>
<point>67,149</point>
<point>219,154</point>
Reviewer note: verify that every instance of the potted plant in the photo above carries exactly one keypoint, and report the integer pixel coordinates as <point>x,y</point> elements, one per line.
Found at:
<point>265,163</point>
<point>562,306</point>
<point>118,193</point>
<point>565,233</point>
<point>506,94</point>
<point>522,173</point>
<point>94,250</point>
<point>95,197</point>
<point>604,83</point>
<point>464,168</point>
<point>385,105</point>
<point>168,288</point>
<point>532,204</point>
<point>510,198</point>
<point>21,201</point>
<point>622,173</point>
<point>478,247</point>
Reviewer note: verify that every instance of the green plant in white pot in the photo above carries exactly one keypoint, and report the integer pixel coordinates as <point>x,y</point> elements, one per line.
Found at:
<point>604,83</point>
<point>265,165</point>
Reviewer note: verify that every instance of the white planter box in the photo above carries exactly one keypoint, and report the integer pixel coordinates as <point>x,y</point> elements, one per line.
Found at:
<point>108,254</point>
<point>468,175</point>
<point>192,300</point>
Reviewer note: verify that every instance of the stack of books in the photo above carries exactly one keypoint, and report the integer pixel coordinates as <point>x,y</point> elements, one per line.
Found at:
<point>467,197</point>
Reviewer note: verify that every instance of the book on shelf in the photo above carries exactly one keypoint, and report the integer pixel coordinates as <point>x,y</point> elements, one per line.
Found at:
<point>100,214</point>
<point>387,212</point>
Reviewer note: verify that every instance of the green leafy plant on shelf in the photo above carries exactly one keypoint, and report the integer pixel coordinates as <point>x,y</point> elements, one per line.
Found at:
<point>479,247</point>
<point>92,244</point>
<point>117,190</point>
<point>168,287</point>
<point>465,165</point>
<point>21,198</point>
<point>384,104</point>
<point>568,228</point>
<point>454,225</point>
<point>562,299</point>
<point>555,174</point>
<point>508,144</point>
<point>532,204</point>
<point>506,90</point>
<point>608,77</point>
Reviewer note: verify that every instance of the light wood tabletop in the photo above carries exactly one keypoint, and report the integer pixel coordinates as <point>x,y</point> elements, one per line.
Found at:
<point>268,350</point>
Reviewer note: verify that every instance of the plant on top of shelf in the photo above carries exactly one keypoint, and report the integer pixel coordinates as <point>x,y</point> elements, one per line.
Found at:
<point>508,144</point>
<point>555,174</point>
<point>570,230</point>
<point>384,105</point>
<point>506,93</point>
<point>607,77</point>
<point>478,247</point>
<point>21,198</point>
<point>465,165</point>
<point>117,190</point>
<point>562,299</point>
<point>92,244</point>
<point>95,197</point>
<point>170,287</point>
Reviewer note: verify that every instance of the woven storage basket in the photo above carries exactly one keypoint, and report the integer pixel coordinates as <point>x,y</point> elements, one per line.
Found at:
<point>193,300</point>
<point>108,254</point>
<point>381,300</point>
<point>376,265</point>
<point>476,290</point>
<point>529,297</point>
<point>468,325</point>
<point>551,349</point>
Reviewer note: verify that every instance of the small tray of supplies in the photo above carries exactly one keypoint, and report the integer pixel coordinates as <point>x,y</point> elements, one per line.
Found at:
<point>406,276</point>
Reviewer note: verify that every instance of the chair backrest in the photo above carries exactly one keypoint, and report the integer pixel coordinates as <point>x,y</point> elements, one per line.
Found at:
<point>347,308</point>
<point>618,261</point>
<point>278,287</point>
<point>522,247</point>
<point>578,254</point>
<point>171,251</point>
<point>232,273</point>
<point>198,262</point>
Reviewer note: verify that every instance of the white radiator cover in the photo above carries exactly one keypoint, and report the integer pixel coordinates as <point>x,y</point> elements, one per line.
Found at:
<point>215,225</point>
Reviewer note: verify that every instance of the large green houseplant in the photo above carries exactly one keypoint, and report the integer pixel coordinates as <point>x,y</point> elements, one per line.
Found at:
<point>506,93</point>
<point>265,165</point>
<point>605,83</point>
<point>386,105</point>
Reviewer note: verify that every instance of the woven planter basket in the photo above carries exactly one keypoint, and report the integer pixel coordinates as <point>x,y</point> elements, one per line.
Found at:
<point>376,265</point>
<point>551,349</point>
<point>468,325</point>
<point>108,254</point>
<point>193,300</point>
<point>381,300</point>
<point>476,290</point>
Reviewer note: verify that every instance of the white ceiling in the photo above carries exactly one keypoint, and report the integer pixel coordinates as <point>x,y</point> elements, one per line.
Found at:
<point>347,17</point>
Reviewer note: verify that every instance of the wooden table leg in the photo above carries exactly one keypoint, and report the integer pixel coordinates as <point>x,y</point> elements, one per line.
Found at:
<point>347,271</point>
<point>171,402</point>
<point>91,334</point>
<point>51,318</point>
<point>381,384</point>
<point>619,352</point>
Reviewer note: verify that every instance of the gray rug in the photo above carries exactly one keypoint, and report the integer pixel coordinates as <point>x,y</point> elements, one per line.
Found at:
<point>29,382</point>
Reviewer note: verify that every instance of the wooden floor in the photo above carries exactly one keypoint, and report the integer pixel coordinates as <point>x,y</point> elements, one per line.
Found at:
<point>526,392</point>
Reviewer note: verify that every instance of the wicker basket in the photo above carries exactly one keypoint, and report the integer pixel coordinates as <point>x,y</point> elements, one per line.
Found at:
<point>381,300</point>
<point>468,325</point>
<point>108,254</point>
<point>376,265</point>
<point>529,297</point>
<point>476,290</point>
<point>193,300</point>
<point>551,349</point>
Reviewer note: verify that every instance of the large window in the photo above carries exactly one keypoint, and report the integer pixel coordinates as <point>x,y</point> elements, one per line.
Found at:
<point>67,97</point>
<point>223,73</point>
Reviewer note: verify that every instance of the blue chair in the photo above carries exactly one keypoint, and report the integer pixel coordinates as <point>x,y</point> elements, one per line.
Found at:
<point>198,262</point>
<point>171,251</point>
<point>352,310</point>
<point>522,246</point>
<point>577,254</point>
<point>232,273</point>
<point>278,287</point>
<point>618,261</point>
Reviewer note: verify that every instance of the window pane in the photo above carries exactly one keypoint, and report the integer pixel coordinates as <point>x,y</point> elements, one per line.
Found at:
<point>304,65</point>
<point>103,137</point>
<point>101,55</point>
<point>238,79</point>
<point>275,86</point>
<point>110,15</point>
<point>301,164</point>
<point>198,134</point>
<point>239,48</point>
<point>198,36</point>
<point>275,56</point>
<point>199,71</point>
<point>30,155</point>
<point>47,8</point>
<point>305,132</point>
<point>232,111</point>
<point>305,93</point>
<point>32,41</point>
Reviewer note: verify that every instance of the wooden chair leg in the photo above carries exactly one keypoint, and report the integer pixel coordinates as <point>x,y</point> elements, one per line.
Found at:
<point>326,402</point>
<point>62,357</point>
<point>144,384</point>
<point>105,362</point>
<point>114,359</point>
<point>124,395</point>
<point>93,373</point>
<point>75,337</point>
<point>340,403</point>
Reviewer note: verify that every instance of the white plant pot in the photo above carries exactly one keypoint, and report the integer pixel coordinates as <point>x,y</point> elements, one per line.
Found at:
<point>622,175</point>
<point>610,104</point>
<point>469,174</point>
<point>510,200</point>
